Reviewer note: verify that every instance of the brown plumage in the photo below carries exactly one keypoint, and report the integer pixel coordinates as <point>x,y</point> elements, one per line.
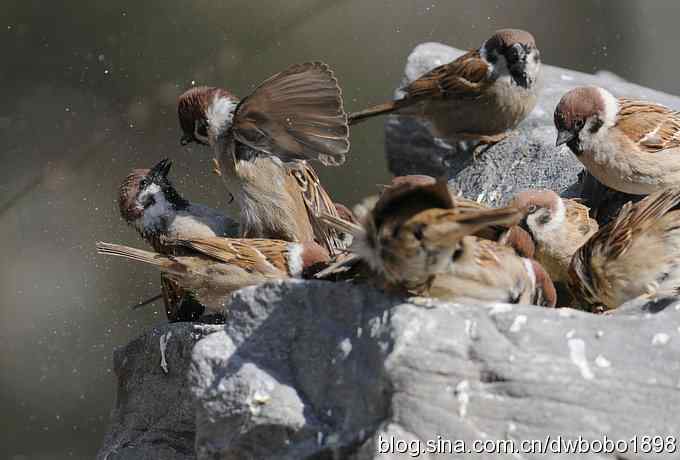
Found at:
<point>212,268</point>
<point>630,146</point>
<point>467,98</point>
<point>434,193</point>
<point>652,127</point>
<point>557,227</point>
<point>148,202</point>
<point>634,255</point>
<point>296,114</point>
<point>261,144</point>
<point>488,271</point>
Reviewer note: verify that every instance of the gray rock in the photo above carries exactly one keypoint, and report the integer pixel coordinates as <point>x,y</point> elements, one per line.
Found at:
<point>154,416</point>
<point>527,159</point>
<point>316,370</point>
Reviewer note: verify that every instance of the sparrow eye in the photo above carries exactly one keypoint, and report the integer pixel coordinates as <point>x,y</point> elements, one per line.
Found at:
<point>532,209</point>
<point>144,183</point>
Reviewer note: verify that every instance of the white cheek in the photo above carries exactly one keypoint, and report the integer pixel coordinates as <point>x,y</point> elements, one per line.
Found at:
<point>611,107</point>
<point>161,207</point>
<point>220,114</point>
<point>588,138</point>
<point>533,66</point>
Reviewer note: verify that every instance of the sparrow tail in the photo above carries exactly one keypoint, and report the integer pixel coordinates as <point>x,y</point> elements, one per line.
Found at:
<point>380,109</point>
<point>140,255</point>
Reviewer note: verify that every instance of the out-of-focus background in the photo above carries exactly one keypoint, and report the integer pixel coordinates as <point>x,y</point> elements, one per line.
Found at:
<point>88,91</point>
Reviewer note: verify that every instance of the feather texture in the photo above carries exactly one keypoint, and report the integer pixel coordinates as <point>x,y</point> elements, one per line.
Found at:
<point>296,114</point>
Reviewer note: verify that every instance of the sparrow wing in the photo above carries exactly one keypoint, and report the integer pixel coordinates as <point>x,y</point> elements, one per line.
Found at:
<point>172,297</point>
<point>464,77</point>
<point>317,202</point>
<point>616,237</point>
<point>652,126</point>
<point>406,196</point>
<point>296,114</point>
<point>262,255</point>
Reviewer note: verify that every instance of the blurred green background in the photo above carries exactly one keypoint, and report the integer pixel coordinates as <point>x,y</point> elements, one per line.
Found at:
<point>88,90</point>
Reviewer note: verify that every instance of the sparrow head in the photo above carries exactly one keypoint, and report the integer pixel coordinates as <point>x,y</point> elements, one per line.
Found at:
<point>516,50</point>
<point>544,211</point>
<point>583,113</point>
<point>147,196</point>
<point>204,112</point>
<point>405,197</point>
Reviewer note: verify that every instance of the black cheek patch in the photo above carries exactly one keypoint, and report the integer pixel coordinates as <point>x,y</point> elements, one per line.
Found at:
<point>597,124</point>
<point>418,232</point>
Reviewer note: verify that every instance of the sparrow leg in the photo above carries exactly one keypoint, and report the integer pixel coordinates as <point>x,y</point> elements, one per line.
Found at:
<point>483,142</point>
<point>216,167</point>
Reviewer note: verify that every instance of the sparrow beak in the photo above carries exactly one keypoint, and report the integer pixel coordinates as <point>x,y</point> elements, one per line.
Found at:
<point>563,137</point>
<point>161,169</point>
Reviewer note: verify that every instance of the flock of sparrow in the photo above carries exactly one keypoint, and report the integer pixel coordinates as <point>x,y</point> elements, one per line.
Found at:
<point>417,237</point>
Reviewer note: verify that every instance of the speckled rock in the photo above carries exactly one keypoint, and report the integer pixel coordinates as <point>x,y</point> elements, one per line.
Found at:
<point>315,370</point>
<point>527,159</point>
<point>154,415</point>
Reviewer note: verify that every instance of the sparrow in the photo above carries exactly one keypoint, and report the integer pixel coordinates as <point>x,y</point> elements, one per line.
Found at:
<point>261,145</point>
<point>487,271</point>
<point>215,267</point>
<point>634,255</point>
<point>512,236</point>
<point>415,241</point>
<point>480,96</point>
<point>558,227</point>
<point>629,145</point>
<point>149,202</point>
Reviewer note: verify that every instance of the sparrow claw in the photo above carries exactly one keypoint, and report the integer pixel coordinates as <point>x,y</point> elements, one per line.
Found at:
<point>216,167</point>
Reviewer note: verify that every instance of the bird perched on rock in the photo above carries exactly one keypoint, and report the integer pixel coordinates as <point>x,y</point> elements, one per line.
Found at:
<point>261,144</point>
<point>558,227</point>
<point>215,267</point>
<point>512,236</point>
<point>480,96</point>
<point>416,240</point>
<point>149,202</point>
<point>629,145</point>
<point>635,255</point>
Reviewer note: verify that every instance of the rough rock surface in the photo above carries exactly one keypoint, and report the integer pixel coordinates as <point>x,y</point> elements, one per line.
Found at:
<point>317,370</point>
<point>314,370</point>
<point>527,159</point>
<point>154,413</point>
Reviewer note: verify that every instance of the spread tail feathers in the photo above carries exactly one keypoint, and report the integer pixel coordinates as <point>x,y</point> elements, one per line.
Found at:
<point>380,109</point>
